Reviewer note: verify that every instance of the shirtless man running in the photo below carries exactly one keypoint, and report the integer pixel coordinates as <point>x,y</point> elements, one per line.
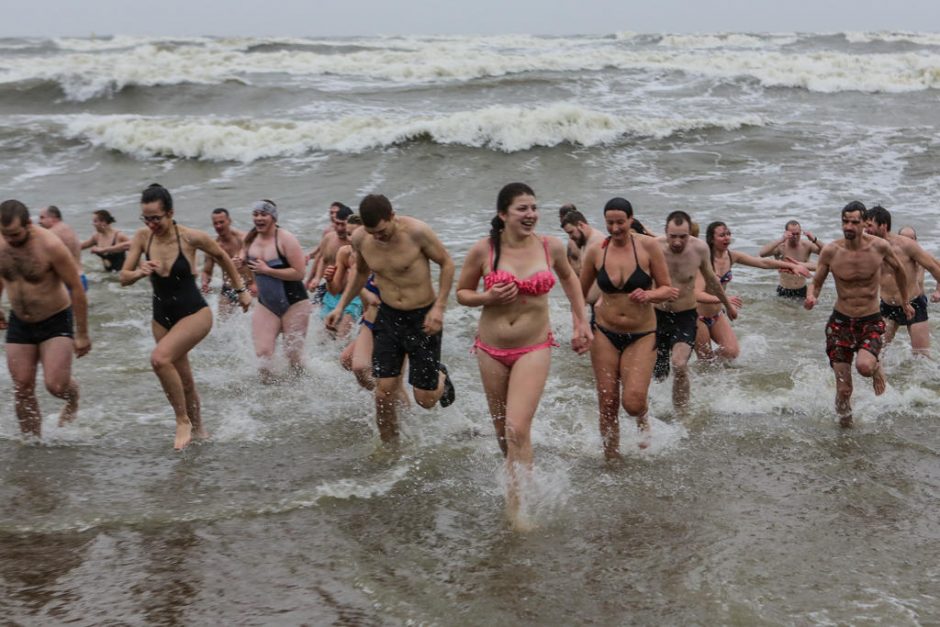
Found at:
<point>398,250</point>
<point>687,257</point>
<point>232,241</point>
<point>36,268</point>
<point>51,218</point>
<point>855,327</point>
<point>914,259</point>
<point>791,247</point>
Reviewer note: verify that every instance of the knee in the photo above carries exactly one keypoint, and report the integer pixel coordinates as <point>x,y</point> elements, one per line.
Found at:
<point>680,364</point>
<point>866,369</point>
<point>730,352</point>
<point>57,388</point>
<point>425,399</point>
<point>634,406</point>
<point>24,389</point>
<point>160,361</point>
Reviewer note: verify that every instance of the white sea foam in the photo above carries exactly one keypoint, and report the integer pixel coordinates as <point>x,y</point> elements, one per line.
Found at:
<point>507,129</point>
<point>107,66</point>
<point>921,39</point>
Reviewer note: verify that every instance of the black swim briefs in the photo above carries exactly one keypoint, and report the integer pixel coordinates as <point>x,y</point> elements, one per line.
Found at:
<point>398,333</point>
<point>896,312</point>
<point>56,325</point>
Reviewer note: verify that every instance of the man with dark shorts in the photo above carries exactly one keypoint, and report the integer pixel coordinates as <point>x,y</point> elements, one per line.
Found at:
<point>791,247</point>
<point>676,320</point>
<point>398,250</point>
<point>232,241</point>
<point>914,259</point>
<point>36,268</point>
<point>855,328</point>
<point>51,218</point>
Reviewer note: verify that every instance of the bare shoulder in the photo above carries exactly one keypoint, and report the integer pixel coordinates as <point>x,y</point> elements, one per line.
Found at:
<point>193,237</point>
<point>288,238</point>
<point>555,245</point>
<point>358,238</point>
<point>415,228</point>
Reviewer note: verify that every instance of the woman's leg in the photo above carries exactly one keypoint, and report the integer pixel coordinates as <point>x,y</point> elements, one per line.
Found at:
<point>605,360</point>
<point>294,325</point>
<point>636,372</point>
<point>264,329</point>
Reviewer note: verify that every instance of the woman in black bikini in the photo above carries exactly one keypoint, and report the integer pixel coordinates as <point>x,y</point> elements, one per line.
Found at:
<point>107,242</point>
<point>623,353</point>
<point>181,318</point>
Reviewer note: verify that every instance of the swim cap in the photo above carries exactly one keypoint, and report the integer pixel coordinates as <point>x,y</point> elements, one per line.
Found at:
<point>265,206</point>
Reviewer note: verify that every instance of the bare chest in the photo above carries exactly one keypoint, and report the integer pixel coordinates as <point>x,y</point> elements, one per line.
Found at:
<point>23,265</point>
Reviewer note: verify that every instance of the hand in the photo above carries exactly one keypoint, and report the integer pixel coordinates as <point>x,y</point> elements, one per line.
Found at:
<point>95,250</point>
<point>673,294</point>
<point>205,287</point>
<point>332,319</point>
<point>811,237</point>
<point>809,302</point>
<point>3,321</point>
<point>238,261</point>
<point>329,272</point>
<point>81,345</point>
<point>736,301</point>
<point>581,337</point>
<point>732,312</point>
<point>935,297</point>
<point>370,299</point>
<point>434,321</point>
<point>639,296</point>
<point>149,267</point>
<point>798,268</point>
<point>909,311</point>
<point>502,293</point>
<point>244,300</point>
<point>312,285</point>
<point>259,266</point>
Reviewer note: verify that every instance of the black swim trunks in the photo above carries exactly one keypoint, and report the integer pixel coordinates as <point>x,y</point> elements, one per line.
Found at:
<point>896,312</point>
<point>672,327</point>
<point>398,333</point>
<point>796,294</point>
<point>846,336</point>
<point>57,325</point>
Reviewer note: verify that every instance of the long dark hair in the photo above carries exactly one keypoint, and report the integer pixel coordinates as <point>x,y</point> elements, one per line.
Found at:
<point>156,192</point>
<point>710,239</point>
<point>505,197</point>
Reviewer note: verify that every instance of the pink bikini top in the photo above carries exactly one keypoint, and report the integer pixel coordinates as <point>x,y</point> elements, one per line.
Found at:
<point>538,284</point>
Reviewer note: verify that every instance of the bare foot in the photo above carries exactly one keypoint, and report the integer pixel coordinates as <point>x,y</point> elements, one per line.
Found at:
<point>200,434</point>
<point>267,377</point>
<point>612,455</point>
<point>846,421</point>
<point>521,523</point>
<point>70,411</point>
<point>184,435</point>
<point>878,381</point>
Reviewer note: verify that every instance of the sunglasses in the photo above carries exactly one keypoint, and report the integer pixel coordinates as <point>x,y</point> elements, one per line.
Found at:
<point>152,219</point>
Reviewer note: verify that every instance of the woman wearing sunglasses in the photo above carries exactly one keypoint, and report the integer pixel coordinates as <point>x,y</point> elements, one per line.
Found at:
<point>181,317</point>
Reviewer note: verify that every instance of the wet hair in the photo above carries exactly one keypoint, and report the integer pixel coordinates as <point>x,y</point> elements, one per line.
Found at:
<point>574,218</point>
<point>11,210</point>
<point>565,210</point>
<point>504,199</point>
<point>221,210</point>
<point>710,239</point>
<point>791,223</point>
<point>354,219</point>
<point>343,213</point>
<point>854,206</point>
<point>339,206</point>
<point>54,211</point>
<point>104,215</point>
<point>679,218</point>
<point>622,204</point>
<point>913,234</point>
<point>694,229</point>
<point>879,215</point>
<point>156,192</point>
<point>373,209</point>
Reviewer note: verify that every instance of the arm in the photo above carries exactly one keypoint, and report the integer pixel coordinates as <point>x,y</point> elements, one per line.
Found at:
<point>713,285</point>
<point>900,275</point>
<point>353,287</point>
<point>88,243</point>
<point>771,249</point>
<point>822,271</point>
<point>581,335</point>
<point>337,282</point>
<point>660,271</point>
<point>3,318</point>
<point>207,267</point>
<point>814,242</point>
<point>920,256</point>
<point>67,270</point>
<point>769,264</point>
<point>434,250</point>
<point>131,273</point>
<point>589,268</point>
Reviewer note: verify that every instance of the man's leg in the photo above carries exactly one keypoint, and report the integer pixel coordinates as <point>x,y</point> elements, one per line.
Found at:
<point>21,361</point>
<point>843,372</point>
<point>920,338</point>
<point>680,381</point>
<point>55,355</point>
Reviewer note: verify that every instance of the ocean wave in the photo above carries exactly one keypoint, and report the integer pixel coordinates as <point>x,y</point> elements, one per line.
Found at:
<point>507,129</point>
<point>921,39</point>
<point>411,61</point>
<point>727,40</point>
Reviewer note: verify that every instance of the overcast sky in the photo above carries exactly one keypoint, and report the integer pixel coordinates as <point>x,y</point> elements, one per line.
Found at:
<point>49,18</point>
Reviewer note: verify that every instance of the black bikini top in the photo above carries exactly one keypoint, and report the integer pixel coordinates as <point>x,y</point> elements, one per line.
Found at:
<point>638,280</point>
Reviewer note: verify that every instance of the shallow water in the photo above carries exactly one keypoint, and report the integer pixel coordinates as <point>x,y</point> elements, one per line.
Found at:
<point>753,509</point>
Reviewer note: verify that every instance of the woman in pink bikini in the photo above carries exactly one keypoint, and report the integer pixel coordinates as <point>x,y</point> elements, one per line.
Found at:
<point>630,269</point>
<point>515,332</point>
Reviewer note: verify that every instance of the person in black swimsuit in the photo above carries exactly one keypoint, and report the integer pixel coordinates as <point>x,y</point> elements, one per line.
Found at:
<point>107,242</point>
<point>625,266</point>
<point>278,261</point>
<point>181,318</point>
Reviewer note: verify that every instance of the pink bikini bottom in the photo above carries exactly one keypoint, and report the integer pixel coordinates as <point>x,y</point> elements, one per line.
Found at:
<point>509,356</point>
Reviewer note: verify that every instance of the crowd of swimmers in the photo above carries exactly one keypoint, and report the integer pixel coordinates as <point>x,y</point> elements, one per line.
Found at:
<point>641,303</point>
